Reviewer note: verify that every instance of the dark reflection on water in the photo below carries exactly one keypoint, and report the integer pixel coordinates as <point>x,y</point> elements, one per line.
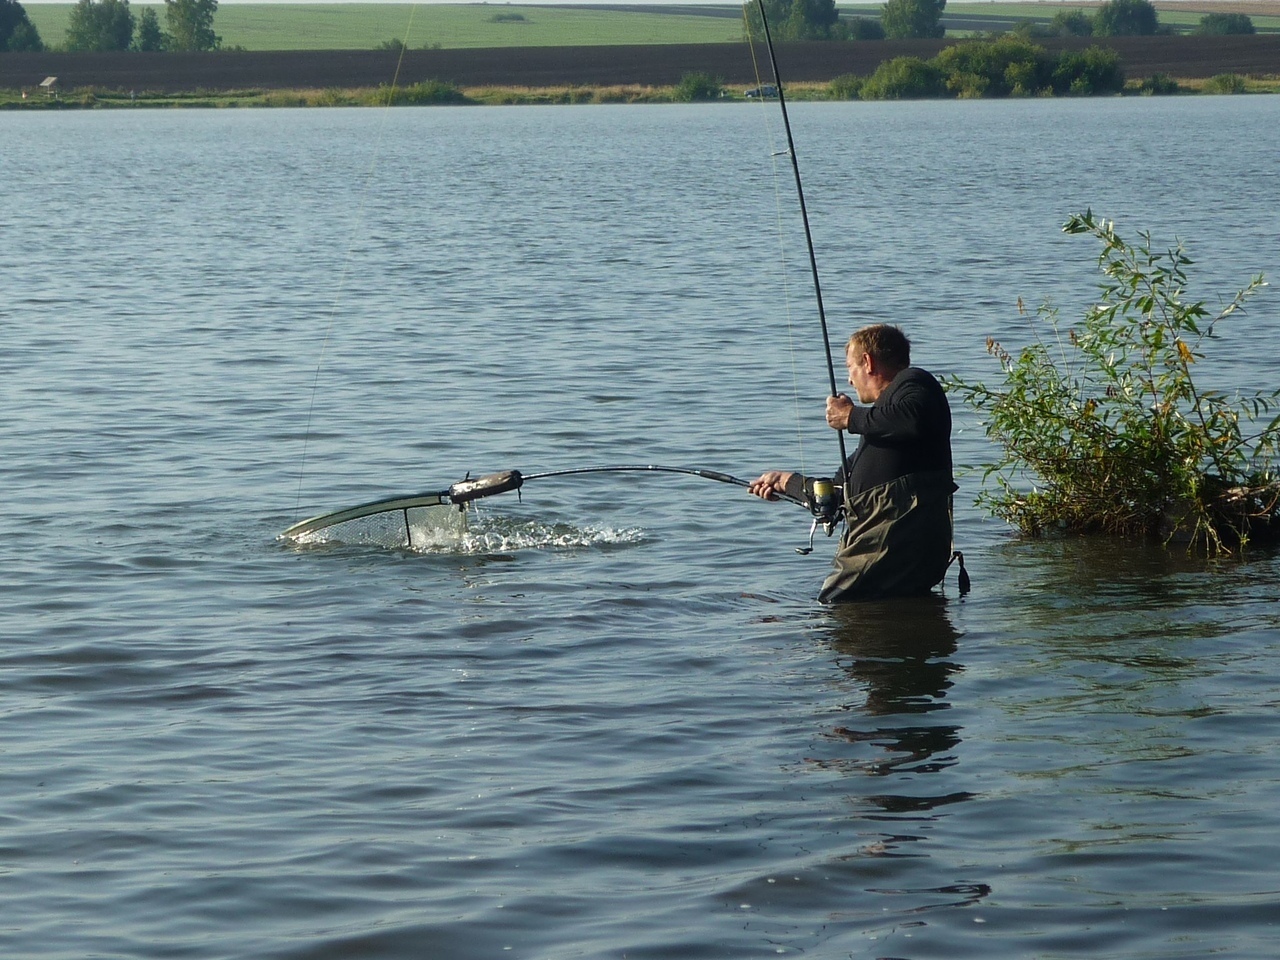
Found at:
<point>902,656</point>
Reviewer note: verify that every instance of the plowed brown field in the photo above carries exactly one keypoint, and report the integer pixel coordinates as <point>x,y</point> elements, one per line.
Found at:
<point>1181,57</point>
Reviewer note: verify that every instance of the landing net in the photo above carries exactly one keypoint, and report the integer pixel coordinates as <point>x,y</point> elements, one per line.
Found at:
<point>413,523</point>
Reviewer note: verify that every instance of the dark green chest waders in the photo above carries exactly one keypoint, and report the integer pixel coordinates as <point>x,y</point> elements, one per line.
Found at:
<point>896,542</point>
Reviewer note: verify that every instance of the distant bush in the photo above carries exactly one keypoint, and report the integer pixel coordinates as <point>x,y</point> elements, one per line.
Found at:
<point>1225,83</point>
<point>394,45</point>
<point>997,68</point>
<point>1007,66</point>
<point>1158,84</point>
<point>1223,24</point>
<point>905,78</point>
<point>1087,73</point>
<point>865,28</point>
<point>425,93</point>
<point>846,87</point>
<point>698,86</point>
<point>508,18</point>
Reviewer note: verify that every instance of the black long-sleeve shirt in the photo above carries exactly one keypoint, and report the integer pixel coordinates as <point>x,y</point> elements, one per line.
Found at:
<point>907,430</point>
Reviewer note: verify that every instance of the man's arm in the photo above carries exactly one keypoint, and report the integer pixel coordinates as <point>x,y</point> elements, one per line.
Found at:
<point>904,418</point>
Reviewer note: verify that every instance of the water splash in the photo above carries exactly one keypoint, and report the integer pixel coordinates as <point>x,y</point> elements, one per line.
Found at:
<point>496,534</point>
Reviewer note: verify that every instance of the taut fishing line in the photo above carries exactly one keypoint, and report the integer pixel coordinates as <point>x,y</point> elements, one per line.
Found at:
<point>346,259</point>
<point>783,259</point>
<point>804,214</point>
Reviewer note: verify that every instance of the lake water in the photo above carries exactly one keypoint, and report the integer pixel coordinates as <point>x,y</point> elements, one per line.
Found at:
<point>613,723</point>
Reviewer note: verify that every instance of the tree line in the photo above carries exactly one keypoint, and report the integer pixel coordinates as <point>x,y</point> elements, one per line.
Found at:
<point>98,25</point>
<point>922,19</point>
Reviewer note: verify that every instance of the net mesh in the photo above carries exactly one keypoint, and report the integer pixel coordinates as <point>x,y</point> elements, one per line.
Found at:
<point>422,527</point>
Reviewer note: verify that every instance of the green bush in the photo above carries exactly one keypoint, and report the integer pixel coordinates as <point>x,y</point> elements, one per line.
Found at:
<point>425,93</point>
<point>1104,428</point>
<point>1158,84</point>
<point>905,78</point>
<point>1225,83</point>
<point>999,68</point>
<point>1224,24</point>
<point>698,86</point>
<point>846,87</point>
<point>1084,73</point>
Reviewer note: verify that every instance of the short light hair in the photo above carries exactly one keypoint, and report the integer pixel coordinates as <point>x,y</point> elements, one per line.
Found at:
<point>887,345</point>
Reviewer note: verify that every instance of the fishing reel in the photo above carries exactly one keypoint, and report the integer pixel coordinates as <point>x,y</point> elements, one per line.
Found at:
<point>826,509</point>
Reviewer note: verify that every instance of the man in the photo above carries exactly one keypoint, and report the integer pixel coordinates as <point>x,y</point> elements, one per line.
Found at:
<point>897,484</point>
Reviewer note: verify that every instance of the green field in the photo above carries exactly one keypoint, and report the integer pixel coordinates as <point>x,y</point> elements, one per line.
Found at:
<point>361,26</point>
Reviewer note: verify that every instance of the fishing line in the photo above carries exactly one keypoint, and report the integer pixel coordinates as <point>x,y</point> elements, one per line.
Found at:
<point>804,215</point>
<point>783,257</point>
<point>346,260</point>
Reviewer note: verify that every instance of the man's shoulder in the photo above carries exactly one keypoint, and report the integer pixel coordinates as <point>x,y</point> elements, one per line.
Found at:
<point>916,377</point>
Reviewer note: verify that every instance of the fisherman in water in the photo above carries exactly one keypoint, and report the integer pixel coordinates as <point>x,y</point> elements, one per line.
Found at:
<point>897,484</point>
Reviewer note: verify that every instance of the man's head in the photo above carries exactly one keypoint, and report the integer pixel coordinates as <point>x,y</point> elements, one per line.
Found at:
<point>874,356</point>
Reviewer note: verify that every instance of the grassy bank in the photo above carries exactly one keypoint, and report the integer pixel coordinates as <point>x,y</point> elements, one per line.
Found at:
<point>491,96</point>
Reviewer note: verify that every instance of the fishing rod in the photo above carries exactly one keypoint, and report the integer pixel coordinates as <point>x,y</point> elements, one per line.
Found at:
<point>804,216</point>
<point>464,491</point>
<point>491,484</point>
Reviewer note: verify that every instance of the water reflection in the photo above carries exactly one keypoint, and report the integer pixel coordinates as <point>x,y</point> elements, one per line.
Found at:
<point>901,654</point>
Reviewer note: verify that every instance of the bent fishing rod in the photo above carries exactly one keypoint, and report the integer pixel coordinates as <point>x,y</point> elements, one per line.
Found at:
<point>808,234</point>
<point>464,492</point>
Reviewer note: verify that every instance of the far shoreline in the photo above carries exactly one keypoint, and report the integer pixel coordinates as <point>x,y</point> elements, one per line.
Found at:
<point>553,75</point>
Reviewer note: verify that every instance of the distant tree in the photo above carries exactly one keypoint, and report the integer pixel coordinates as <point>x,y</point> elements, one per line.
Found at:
<point>812,19</point>
<point>1071,23</point>
<point>394,45</point>
<point>190,24</point>
<point>101,25</point>
<point>148,38</point>
<point>865,28</point>
<point>1221,24</point>
<point>16,30</point>
<point>1125,18</point>
<point>776,10</point>
<point>796,20</point>
<point>913,19</point>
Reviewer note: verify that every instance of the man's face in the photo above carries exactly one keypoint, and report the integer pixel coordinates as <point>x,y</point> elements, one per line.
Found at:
<point>859,365</point>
